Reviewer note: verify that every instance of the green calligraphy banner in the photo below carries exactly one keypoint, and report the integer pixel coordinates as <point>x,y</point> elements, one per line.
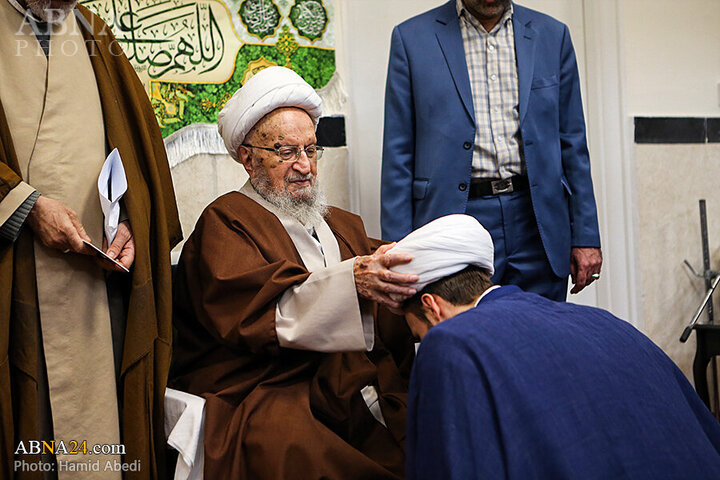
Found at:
<point>192,55</point>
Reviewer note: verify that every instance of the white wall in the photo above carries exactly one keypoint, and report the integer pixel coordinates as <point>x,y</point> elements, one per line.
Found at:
<point>367,26</point>
<point>672,57</point>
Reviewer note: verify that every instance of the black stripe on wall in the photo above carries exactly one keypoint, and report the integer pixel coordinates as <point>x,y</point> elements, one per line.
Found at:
<point>331,131</point>
<point>713,130</point>
<point>677,130</point>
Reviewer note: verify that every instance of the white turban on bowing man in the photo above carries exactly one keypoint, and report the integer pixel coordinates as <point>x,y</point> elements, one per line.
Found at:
<point>269,89</point>
<point>446,246</point>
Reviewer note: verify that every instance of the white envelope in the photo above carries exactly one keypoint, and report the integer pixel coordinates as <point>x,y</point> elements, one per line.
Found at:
<point>112,185</point>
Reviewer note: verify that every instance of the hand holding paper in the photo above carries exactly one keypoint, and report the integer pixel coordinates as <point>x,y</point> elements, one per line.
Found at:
<point>57,226</point>
<point>112,185</point>
<point>122,249</point>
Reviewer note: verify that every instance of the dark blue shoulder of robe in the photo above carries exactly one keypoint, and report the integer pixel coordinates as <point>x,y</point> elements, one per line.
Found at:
<point>524,388</point>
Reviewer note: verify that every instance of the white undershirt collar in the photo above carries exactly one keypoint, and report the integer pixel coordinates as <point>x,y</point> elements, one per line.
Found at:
<point>494,287</point>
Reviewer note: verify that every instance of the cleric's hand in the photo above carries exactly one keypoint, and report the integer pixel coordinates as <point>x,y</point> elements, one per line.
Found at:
<point>375,281</point>
<point>57,226</point>
<point>122,248</point>
<point>584,262</point>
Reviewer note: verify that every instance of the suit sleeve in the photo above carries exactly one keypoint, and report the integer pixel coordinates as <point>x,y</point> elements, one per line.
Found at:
<point>451,429</point>
<point>398,145</point>
<point>575,157</point>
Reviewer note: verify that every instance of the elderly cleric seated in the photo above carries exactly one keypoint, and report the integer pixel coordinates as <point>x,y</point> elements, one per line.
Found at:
<point>508,384</point>
<point>277,316</point>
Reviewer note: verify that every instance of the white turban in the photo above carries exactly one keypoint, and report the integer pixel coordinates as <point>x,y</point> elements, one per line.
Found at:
<point>445,246</point>
<point>267,90</point>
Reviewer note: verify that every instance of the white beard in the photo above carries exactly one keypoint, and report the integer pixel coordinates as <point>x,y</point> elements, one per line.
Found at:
<point>42,10</point>
<point>309,211</point>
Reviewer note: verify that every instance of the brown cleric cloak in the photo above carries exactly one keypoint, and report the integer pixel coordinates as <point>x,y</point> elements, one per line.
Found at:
<point>130,127</point>
<point>275,413</point>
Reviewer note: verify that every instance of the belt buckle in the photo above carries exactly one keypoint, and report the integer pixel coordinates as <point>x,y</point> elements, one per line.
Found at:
<point>502,186</point>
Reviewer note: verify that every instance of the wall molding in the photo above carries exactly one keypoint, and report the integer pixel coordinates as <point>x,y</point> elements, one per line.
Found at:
<point>666,130</point>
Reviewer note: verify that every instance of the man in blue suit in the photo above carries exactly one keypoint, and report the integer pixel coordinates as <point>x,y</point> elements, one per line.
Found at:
<point>483,116</point>
<point>510,385</point>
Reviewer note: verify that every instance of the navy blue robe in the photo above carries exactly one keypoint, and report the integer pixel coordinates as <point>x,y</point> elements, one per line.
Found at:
<point>521,387</point>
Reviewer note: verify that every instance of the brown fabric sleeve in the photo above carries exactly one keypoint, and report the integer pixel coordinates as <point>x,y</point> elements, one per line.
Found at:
<point>9,177</point>
<point>376,243</point>
<point>235,281</point>
<point>8,180</point>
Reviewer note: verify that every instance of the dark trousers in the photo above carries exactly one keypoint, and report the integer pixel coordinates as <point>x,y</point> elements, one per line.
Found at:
<point>520,257</point>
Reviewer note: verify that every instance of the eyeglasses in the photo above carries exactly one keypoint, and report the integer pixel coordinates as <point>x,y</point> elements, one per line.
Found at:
<point>291,153</point>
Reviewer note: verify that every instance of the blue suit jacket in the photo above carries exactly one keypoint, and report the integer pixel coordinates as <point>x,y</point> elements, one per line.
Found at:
<point>525,388</point>
<point>430,129</point>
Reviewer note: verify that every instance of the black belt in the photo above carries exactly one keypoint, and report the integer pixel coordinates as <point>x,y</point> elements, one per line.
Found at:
<point>483,187</point>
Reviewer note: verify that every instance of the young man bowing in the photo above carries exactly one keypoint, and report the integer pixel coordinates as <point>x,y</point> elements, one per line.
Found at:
<point>508,384</point>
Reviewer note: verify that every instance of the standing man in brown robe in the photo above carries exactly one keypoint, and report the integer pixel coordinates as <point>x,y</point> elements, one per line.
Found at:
<point>277,321</point>
<point>71,370</point>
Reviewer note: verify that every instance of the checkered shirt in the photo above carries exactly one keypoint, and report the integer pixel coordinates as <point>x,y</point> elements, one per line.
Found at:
<point>492,68</point>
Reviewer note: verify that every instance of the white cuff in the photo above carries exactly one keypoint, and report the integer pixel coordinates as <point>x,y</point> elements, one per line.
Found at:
<point>13,200</point>
<point>370,396</point>
<point>323,313</point>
